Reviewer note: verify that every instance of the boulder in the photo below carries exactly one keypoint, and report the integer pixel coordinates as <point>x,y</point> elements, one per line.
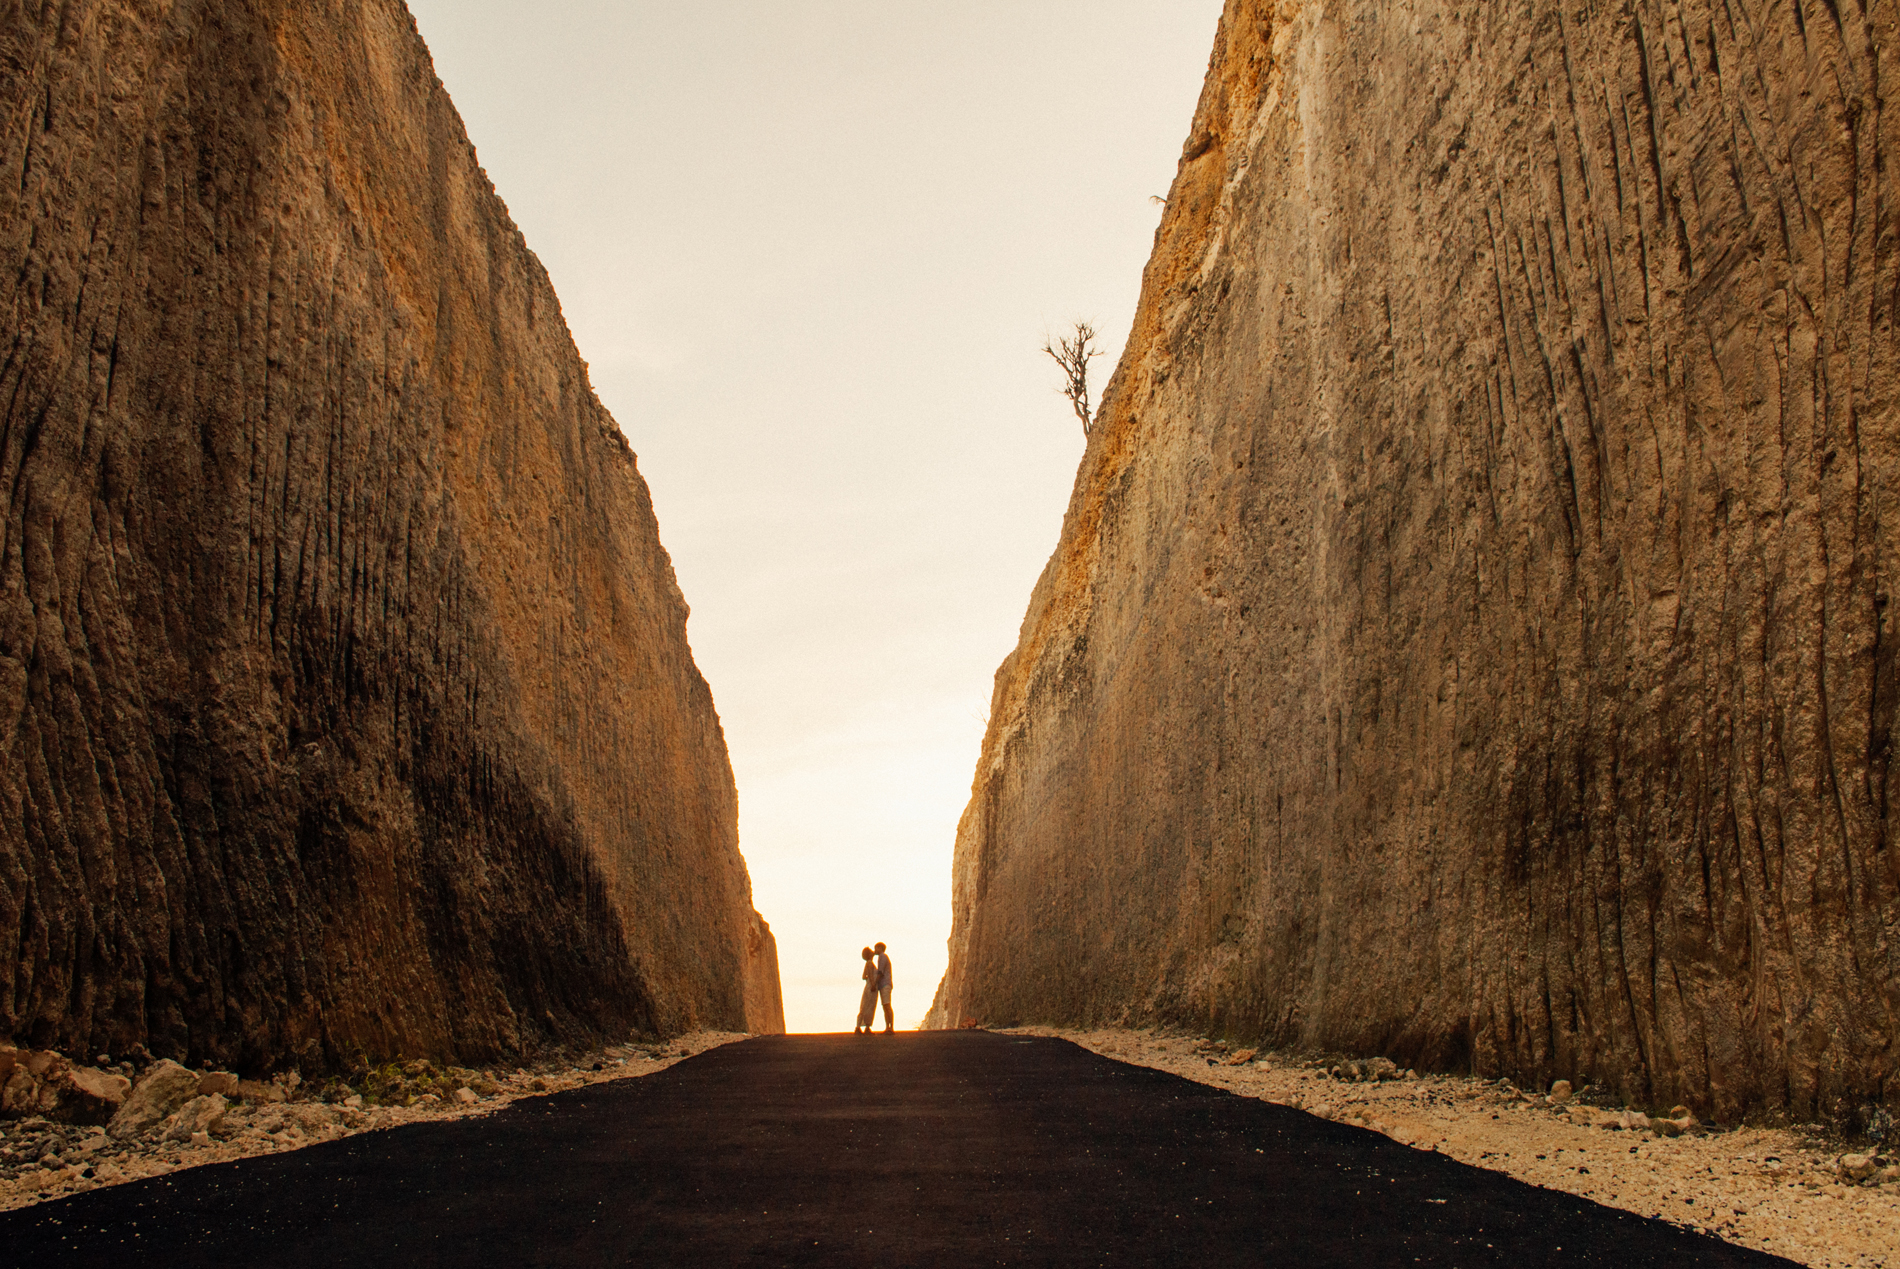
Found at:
<point>85,1094</point>
<point>40,1062</point>
<point>1857,1167</point>
<point>163,1088</point>
<point>1560,1092</point>
<point>20,1093</point>
<point>1679,1120</point>
<point>203,1114</point>
<point>42,1082</point>
<point>22,1083</point>
<point>221,1082</point>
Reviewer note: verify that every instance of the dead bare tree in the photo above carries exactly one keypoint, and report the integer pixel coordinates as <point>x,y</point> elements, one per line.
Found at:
<point>1073,353</point>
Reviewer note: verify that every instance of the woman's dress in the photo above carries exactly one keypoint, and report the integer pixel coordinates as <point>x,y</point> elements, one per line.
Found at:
<point>867,1007</point>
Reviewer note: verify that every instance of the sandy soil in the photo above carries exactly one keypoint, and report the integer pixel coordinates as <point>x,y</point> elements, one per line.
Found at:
<point>91,1160</point>
<point>1777,1190</point>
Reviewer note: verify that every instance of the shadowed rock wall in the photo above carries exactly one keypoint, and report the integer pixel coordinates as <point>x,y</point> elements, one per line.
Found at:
<point>345,698</point>
<point>1470,638</point>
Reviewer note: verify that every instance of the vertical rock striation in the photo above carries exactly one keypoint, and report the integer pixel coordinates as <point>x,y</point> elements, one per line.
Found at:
<point>1470,638</point>
<point>345,698</point>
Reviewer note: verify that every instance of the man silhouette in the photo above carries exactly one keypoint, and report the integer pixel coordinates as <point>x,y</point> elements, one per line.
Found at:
<point>884,986</point>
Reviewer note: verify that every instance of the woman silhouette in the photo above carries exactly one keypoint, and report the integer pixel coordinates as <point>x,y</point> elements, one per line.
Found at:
<point>867,1005</point>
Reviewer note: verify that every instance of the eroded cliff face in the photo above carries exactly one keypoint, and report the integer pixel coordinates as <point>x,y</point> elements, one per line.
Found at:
<point>1470,636</point>
<point>345,698</point>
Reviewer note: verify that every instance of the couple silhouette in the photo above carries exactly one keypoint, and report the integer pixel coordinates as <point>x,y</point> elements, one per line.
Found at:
<point>877,985</point>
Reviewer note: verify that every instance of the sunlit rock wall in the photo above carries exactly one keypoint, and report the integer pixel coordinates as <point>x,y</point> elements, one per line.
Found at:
<point>1470,638</point>
<point>345,699</point>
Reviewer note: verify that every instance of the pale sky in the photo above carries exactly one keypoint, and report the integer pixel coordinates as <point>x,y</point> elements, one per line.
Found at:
<point>810,250</point>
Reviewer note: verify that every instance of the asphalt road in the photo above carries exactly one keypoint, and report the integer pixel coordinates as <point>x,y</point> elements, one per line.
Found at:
<point>937,1149</point>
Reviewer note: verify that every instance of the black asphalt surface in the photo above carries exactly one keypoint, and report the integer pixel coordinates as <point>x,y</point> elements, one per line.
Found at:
<point>936,1148</point>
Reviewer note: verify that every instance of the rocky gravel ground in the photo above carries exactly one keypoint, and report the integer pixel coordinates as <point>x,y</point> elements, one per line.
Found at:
<point>225,1118</point>
<point>1796,1192</point>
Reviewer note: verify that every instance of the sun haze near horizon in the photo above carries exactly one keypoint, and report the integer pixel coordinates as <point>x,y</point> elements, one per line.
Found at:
<point>811,253</point>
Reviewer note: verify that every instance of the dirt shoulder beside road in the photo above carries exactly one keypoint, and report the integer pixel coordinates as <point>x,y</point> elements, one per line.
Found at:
<point>40,1160</point>
<point>1776,1190</point>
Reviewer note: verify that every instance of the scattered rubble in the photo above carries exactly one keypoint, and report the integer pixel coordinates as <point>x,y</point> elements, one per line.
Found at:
<point>164,1116</point>
<point>1797,1192</point>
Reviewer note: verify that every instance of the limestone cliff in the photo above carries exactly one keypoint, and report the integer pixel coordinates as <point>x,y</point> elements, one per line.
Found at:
<point>1470,637</point>
<point>345,698</point>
